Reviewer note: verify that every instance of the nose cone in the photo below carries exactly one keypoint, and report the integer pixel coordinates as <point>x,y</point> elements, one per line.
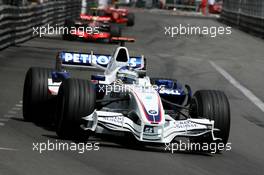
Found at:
<point>150,107</point>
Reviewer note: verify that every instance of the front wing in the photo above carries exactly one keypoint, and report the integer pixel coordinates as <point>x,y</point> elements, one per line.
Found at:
<point>164,133</point>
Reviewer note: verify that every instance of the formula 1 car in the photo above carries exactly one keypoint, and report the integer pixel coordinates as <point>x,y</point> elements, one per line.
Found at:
<point>116,15</point>
<point>123,100</point>
<point>216,8</point>
<point>92,28</point>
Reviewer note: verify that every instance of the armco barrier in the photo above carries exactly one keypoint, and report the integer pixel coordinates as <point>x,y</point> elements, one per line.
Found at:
<point>247,14</point>
<point>16,23</point>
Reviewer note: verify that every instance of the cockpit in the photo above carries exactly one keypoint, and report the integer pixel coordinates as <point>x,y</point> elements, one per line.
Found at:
<point>127,76</point>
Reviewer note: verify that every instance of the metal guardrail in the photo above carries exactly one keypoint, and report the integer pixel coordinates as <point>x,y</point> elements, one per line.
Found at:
<point>248,15</point>
<point>16,23</point>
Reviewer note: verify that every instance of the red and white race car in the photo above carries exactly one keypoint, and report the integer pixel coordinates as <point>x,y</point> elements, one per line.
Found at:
<point>216,7</point>
<point>92,28</point>
<point>117,15</point>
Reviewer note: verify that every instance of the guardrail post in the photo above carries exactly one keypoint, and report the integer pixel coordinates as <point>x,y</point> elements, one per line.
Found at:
<point>239,12</point>
<point>13,28</point>
<point>84,7</point>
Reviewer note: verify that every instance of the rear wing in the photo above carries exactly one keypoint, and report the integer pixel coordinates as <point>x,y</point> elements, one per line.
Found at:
<point>95,18</point>
<point>122,40</point>
<point>93,61</point>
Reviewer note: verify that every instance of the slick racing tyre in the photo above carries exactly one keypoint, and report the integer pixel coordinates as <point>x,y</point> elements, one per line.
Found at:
<point>76,99</point>
<point>38,104</point>
<point>130,19</point>
<point>212,105</point>
<point>115,30</point>
<point>69,23</point>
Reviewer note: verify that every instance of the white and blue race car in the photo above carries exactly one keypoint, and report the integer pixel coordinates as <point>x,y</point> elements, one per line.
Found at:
<point>122,100</point>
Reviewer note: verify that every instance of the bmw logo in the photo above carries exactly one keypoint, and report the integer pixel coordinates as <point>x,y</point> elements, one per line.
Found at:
<point>152,112</point>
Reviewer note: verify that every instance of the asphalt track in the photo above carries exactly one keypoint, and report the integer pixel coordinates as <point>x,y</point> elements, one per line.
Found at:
<point>186,58</point>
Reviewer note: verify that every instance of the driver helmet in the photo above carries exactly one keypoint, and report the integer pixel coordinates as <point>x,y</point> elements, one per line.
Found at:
<point>127,76</point>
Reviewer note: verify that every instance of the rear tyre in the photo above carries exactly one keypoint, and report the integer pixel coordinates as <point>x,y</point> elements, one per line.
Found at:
<point>212,105</point>
<point>69,23</point>
<point>115,30</point>
<point>76,99</point>
<point>130,19</point>
<point>38,104</point>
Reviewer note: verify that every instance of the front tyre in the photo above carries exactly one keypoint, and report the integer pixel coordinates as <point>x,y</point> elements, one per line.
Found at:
<point>130,19</point>
<point>76,99</point>
<point>212,105</point>
<point>38,103</point>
